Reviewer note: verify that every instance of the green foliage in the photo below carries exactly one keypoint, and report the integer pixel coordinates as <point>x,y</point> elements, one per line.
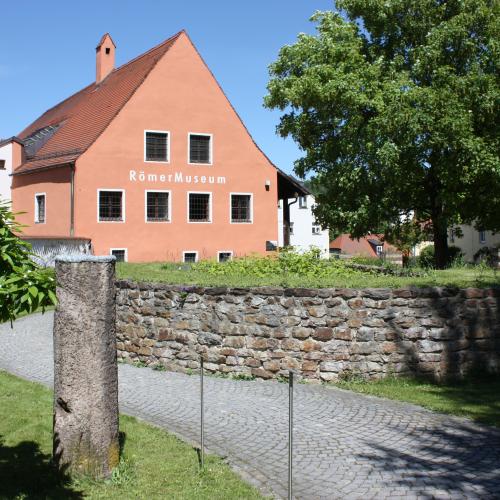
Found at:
<point>477,397</point>
<point>24,286</point>
<point>395,106</point>
<point>346,277</point>
<point>426,257</point>
<point>286,263</point>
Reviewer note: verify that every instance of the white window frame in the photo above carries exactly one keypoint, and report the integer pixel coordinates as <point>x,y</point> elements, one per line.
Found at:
<point>482,237</point>
<point>184,252</point>
<point>123,207</point>
<point>169,208</point>
<point>230,252</point>
<point>210,199</point>
<point>37,221</point>
<point>316,233</point>
<point>211,149</point>
<point>305,201</point>
<point>169,137</point>
<point>124,249</point>
<point>377,249</point>
<point>231,208</point>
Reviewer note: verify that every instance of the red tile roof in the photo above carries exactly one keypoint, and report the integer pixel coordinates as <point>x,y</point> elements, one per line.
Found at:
<point>352,246</point>
<point>85,115</point>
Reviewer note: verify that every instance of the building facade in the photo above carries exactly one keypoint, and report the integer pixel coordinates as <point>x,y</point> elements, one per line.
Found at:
<point>305,232</point>
<point>150,163</point>
<point>6,152</point>
<point>473,241</point>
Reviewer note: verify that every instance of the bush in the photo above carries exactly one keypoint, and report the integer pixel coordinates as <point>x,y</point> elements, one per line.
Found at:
<point>426,257</point>
<point>24,286</point>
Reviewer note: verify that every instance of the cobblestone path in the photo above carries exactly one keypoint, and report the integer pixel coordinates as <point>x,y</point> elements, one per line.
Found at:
<point>347,446</point>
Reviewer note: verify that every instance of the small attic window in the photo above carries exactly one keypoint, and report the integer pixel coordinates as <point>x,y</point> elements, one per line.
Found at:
<point>108,50</point>
<point>2,164</point>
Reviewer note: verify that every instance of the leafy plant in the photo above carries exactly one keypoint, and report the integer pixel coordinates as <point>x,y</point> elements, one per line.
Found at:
<point>453,259</point>
<point>24,286</point>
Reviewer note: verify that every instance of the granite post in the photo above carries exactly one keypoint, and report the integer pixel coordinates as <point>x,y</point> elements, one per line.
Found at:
<point>85,438</point>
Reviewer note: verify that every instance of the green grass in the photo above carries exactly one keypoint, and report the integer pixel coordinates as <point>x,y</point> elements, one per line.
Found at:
<point>180,274</point>
<point>154,464</point>
<point>477,398</point>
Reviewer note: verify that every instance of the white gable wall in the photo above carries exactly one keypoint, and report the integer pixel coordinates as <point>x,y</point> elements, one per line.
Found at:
<point>5,179</point>
<point>303,221</point>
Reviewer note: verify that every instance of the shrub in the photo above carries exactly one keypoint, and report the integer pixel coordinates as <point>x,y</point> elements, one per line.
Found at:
<point>426,257</point>
<point>24,286</point>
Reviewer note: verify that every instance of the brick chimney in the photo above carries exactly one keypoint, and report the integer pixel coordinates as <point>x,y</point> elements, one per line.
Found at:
<point>104,58</point>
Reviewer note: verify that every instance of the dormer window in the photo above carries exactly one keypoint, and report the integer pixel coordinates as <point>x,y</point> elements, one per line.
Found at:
<point>200,148</point>
<point>156,146</point>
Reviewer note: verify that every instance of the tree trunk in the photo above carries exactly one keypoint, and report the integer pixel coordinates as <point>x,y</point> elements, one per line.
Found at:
<point>440,243</point>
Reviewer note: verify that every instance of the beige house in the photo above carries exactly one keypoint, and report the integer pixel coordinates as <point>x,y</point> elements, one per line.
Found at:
<point>472,241</point>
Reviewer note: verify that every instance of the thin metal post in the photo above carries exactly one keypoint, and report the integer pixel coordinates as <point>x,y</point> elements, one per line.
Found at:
<point>290,434</point>
<point>202,419</point>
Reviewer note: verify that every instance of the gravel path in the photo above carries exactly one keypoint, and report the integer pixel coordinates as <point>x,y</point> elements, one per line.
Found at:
<point>347,446</point>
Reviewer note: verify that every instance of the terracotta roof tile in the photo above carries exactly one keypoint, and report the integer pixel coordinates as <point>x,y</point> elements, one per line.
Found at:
<point>85,115</point>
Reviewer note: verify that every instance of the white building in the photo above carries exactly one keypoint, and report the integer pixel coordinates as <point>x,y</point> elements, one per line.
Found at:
<point>473,240</point>
<point>5,169</point>
<point>305,233</point>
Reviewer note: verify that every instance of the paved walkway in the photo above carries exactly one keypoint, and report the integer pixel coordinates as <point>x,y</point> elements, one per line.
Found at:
<point>346,445</point>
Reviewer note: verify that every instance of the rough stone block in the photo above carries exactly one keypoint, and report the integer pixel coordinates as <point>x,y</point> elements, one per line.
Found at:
<point>323,334</point>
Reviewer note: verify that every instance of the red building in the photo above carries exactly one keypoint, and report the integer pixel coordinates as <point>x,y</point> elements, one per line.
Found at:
<point>149,162</point>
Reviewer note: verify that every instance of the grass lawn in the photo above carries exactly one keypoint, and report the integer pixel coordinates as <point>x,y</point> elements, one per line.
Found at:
<point>476,398</point>
<point>154,464</point>
<point>182,274</point>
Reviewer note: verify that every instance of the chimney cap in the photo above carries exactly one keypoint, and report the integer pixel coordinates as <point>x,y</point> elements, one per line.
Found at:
<point>103,39</point>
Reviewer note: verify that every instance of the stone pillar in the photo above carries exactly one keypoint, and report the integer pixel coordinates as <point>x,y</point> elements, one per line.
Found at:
<point>85,369</point>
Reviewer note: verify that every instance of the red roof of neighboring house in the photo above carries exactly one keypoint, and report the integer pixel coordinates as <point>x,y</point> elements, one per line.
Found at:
<point>70,128</point>
<point>364,246</point>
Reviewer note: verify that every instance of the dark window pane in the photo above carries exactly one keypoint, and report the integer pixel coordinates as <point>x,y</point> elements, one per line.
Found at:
<point>156,146</point>
<point>119,254</point>
<point>199,149</point>
<point>157,207</point>
<point>40,208</point>
<point>224,256</point>
<point>190,257</point>
<point>199,207</point>
<point>2,164</point>
<point>240,208</point>
<point>110,206</point>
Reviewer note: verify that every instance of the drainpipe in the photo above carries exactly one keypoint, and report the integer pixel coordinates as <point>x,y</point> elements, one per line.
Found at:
<point>72,202</point>
<point>286,219</point>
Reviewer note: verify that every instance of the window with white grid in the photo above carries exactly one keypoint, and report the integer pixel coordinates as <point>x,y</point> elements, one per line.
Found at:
<point>241,208</point>
<point>200,148</point>
<point>199,207</point>
<point>110,206</point>
<point>157,206</point>
<point>156,146</point>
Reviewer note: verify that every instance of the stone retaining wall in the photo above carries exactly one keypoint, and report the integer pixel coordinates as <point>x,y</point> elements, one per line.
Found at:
<point>324,334</point>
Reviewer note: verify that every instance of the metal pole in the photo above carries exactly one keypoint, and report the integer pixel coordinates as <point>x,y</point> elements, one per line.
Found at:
<point>202,419</point>
<point>290,434</point>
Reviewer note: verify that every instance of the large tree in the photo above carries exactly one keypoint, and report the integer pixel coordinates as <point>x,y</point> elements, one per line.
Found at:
<point>395,104</point>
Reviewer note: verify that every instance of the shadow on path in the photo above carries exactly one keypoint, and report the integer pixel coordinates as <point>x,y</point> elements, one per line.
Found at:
<point>460,459</point>
<point>26,472</point>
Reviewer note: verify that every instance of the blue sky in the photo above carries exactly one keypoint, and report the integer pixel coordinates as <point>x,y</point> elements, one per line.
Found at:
<point>48,51</point>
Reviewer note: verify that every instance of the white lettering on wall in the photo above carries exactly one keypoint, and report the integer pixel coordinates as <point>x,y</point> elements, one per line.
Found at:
<point>176,177</point>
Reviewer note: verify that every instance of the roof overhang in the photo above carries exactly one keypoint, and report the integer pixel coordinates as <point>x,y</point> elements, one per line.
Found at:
<point>288,187</point>
<point>14,138</point>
